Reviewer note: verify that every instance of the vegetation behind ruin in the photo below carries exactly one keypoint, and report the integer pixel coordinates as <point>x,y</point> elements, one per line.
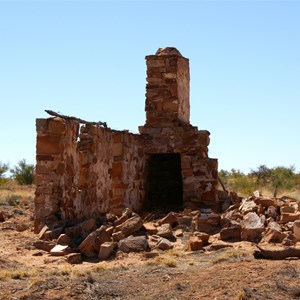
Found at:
<point>277,181</point>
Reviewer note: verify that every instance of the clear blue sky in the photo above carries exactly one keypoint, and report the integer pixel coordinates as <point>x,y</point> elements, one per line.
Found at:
<point>86,58</point>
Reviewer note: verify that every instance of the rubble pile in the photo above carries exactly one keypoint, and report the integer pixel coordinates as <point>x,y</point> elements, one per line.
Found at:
<point>262,219</point>
<point>256,219</point>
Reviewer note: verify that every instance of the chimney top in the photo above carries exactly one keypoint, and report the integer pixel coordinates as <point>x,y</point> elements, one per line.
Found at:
<point>168,51</point>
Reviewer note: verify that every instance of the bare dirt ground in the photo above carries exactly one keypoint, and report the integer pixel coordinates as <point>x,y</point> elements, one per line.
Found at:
<point>227,273</point>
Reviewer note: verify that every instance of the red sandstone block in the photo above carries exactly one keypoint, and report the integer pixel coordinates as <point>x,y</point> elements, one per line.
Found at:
<point>170,106</point>
<point>117,137</point>
<point>48,144</point>
<point>57,126</point>
<point>41,125</point>
<point>117,169</point>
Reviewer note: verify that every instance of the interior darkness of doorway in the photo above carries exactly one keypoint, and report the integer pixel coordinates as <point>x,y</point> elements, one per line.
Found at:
<point>164,182</point>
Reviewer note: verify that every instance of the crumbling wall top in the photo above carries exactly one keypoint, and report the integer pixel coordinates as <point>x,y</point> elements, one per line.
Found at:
<point>168,51</point>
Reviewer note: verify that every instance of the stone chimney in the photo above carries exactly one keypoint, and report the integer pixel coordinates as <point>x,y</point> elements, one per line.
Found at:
<point>167,89</point>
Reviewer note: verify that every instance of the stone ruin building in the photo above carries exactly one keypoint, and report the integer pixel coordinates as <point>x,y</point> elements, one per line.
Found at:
<point>86,170</point>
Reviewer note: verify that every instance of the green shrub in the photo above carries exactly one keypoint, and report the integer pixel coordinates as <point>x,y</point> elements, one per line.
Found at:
<point>23,173</point>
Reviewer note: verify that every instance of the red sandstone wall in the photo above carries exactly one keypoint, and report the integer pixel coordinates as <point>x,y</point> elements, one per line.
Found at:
<point>85,175</point>
<point>56,166</point>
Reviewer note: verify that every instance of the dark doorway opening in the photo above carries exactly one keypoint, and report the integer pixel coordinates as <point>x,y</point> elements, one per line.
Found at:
<point>164,182</point>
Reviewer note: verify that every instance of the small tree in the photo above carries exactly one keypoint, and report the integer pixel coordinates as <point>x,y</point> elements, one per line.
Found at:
<point>282,177</point>
<point>23,173</point>
<point>262,175</point>
<point>3,169</point>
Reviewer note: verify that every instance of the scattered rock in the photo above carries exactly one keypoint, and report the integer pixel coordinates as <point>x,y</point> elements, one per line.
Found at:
<point>218,245</point>
<point>52,234</point>
<point>252,227</point>
<point>296,230</point>
<point>168,219</point>
<point>165,231</point>
<point>64,239</point>
<point>232,233</point>
<point>42,232</point>
<point>2,219</point>
<point>131,225</point>
<point>22,227</point>
<point>247,206</point>
<point>289,217</point>
<point>184,220</point>
<point>274,236</point>
<point>44,245</point>
<point>195,243</point>
<point>290,240</point>
<point>60,250</point>
<point>106,250</point>
<point>150,228</point>
<point>271,212</point>
<point>90,247</point>
<point>117,236</point>
<point>121,220</point>
<point>178,232</point>
<point>82,229</point>
<point>74,258</point>
<point>164,244</point>
<point>265,202</point>
<point>203,236</point>
<point>288,209</point>
<point>133,244</point>
<point>274,225</point>
<point>151,254</point>
<point>38,253</point>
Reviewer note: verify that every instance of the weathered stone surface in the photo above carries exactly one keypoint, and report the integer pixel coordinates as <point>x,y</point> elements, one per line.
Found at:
<point>195,243</point>
<point>106,250</point>
<point>290,240</point>
<point>168,219</point>
<point>165,230</point>
<point>131,225</point>
<point>252,227</point>
<point>208,223</point>
<point>184,220</point>
<point>288,209</point>
<point>247,206</point>
<point>121,220</point>
<point>151,229</point>
<point>21,227</point>
<point>64,239</point>
<point>81,230</point>
<point>60,250</point>
<point>296,230</point>
<point>91,245</point>
<point>271,212</point>
<point>2,219</point>
<point>42,231</point>
<point>289,217</point>
<point>133,244</point>
<point>164,244</point>
<point>265,202</point>
<point>274,225</point>
<point>274,236</point>
<point>203,236</point>
<point>117,236</point>
<point>44,245</point>
<point>52,234</point>
<point>74,258</point>
<point>178,232</point>
<point>232,232</point>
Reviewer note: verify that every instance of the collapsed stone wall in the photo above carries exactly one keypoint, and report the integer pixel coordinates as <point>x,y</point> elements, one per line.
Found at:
<point>84,171</point>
